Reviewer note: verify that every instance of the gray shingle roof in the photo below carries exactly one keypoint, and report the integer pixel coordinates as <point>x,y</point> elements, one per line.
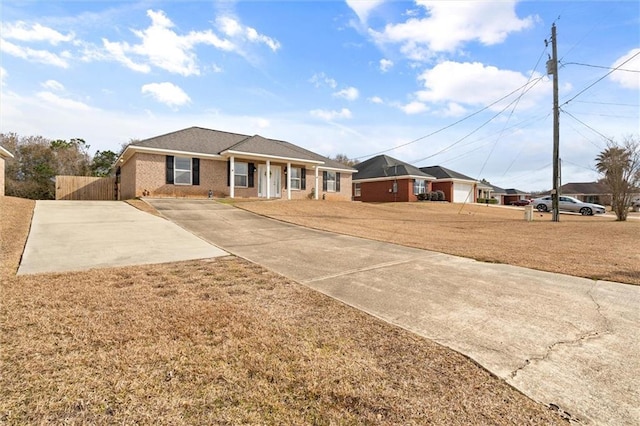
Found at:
<point>513,191</point>
<point>214,142</point>
<point>585,188</point>
<point>443,173</point>
<point>382,166</point>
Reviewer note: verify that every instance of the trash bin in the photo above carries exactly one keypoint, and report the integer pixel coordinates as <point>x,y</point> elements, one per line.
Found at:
<point>528,213</point>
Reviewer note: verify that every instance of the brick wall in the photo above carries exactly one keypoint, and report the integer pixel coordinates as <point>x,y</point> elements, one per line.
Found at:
<point>379,191</point>
<point>446,187</point>
<point>145,173</point>
<point>1,176</point>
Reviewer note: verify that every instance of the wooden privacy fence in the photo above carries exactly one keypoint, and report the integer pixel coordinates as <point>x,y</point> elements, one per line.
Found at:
<point>85,188</point>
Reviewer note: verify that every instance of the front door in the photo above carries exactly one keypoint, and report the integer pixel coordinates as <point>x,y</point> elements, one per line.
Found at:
<point>275,187</point>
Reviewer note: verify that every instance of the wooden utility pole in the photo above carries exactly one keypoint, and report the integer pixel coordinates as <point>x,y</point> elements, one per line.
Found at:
<point>552,68</point>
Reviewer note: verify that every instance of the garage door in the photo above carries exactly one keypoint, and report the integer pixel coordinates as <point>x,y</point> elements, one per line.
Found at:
<point>462,192</point>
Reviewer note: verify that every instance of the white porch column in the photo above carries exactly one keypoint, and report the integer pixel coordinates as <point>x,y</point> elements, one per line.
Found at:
<point>232,177</point>
<point>268,179</point>
<point>317,189</point>
<point>288,181</point>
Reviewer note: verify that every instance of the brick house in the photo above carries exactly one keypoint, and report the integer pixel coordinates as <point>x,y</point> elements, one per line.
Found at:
<point>457,187</point>
<point>589,192</point>
<point>198,162</point>
<point>4,154</point>
<point>384,179</point>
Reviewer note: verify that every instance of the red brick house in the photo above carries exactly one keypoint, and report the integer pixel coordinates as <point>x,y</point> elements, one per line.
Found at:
<point>198,162</point>
<point>384,179</point>
<point>457,187</point>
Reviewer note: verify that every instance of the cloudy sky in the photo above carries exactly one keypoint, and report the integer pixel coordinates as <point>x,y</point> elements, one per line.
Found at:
<point>461,84</point>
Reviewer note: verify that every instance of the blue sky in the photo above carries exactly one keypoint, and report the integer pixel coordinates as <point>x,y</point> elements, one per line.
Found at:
<point>350,77</point>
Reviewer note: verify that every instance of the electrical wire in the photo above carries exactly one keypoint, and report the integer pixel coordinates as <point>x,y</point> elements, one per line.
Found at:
<point>600,79</point>
<point>586,125</point>
<point>599,66</point>
<point>447,126</point>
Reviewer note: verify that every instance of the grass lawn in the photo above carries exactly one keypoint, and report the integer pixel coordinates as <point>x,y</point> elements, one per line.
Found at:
<point>220,342</point>
<point>593,247</point>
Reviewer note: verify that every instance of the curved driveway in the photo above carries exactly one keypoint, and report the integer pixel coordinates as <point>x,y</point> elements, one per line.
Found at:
<point>568,342</point>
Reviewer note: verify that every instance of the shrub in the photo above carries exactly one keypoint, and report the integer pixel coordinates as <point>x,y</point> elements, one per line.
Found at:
<point>423,197</point>
<point>440,195</point>
<point>433,196</point>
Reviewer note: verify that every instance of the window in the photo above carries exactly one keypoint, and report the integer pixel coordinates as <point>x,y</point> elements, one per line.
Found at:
<point>296,178</point>
<point>242,174</point>
<point>331,181</point>
<point>419,186</point>
<point>182,171</point>
<point>357,192</point>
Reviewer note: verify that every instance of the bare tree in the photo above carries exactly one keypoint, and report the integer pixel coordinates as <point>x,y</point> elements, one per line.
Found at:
<point>342,158</point>
<point>620,165</point>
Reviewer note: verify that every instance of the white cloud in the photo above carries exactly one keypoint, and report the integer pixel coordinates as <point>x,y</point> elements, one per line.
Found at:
<point>320,79</point>
<point>3,76</point>
<point>385,65</point>
<point>166,93</point>
<point>362,8</point>
<point>22,32</point>
<point>327,115</point>
<point>414,107</point>
<point>629,80</point>
<point>262,123</point>
<point>33,55</point>
<point>451,24</point>
<point>454,110</point>
<point>53,85</point>
<point>349,93</point>
<point>63,103</point>
<point>476,84</point>
<point>164,48</point>
<point>376,100</point>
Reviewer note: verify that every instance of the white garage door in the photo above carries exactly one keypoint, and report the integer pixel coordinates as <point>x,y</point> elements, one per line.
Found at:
<point>462,192</point>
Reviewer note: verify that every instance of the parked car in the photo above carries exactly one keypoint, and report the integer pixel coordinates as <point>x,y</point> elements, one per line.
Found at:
<point>568,204</point>
<point>521,202</point>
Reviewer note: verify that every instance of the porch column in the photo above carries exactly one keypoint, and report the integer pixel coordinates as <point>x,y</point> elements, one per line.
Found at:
<point>288,181</point>
<point>268,179</point>
<point>317,189</point>
<point>232,177</point>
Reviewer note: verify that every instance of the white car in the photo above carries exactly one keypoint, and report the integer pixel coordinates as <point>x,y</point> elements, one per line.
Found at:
<point>568,204</point>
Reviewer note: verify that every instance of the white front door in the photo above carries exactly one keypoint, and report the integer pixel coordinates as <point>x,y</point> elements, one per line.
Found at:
<point>276,184</point>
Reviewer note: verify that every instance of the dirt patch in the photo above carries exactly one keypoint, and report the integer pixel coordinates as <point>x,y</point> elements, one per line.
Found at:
<point>222,342</point>
<point>592,247</point>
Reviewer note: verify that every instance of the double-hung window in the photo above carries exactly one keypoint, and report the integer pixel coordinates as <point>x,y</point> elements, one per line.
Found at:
<point>357,191</point>
<point>331,181</point>
<point>241,174</point>
<point>296,178</point>
<point>182,171</point>
<point>419,186</point>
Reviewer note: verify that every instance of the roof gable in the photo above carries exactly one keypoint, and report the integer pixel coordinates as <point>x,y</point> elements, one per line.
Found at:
<point>383,166</point>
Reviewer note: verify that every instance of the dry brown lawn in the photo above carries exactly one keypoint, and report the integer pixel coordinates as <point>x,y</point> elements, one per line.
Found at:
<point>593,247</point>
<point>220,342</point>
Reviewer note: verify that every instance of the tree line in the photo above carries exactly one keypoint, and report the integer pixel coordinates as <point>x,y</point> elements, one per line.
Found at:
<point>38,160</point>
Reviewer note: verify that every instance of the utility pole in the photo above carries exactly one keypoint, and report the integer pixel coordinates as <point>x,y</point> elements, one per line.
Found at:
<point>552,68</point>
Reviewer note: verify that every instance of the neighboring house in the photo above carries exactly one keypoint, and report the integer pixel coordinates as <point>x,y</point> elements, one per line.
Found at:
<point>589,192</point>
<point>385,179</point>
<point>512,195</point>
<point>501,195</point>
<point>4,154</point>
<point>457,187</point>
<point>486,191</point>
<point>201,162</point>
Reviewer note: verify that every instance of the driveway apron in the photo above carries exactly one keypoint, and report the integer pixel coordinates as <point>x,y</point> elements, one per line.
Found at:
<point>570,343</point>
<point>80,235</point>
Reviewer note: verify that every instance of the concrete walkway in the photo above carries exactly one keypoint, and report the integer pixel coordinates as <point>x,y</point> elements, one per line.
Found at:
<point>561,340</point>
<point>78,235</point>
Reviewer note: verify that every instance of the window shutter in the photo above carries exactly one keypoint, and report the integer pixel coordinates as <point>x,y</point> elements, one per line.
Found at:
<point>286,176</point>
<point>228,172</point>
<point>250,168</point>
<point>303,178</point>
<point>169,173</point>
<point>324,180</point>
<point>195,171</point>
<point>337,181</point>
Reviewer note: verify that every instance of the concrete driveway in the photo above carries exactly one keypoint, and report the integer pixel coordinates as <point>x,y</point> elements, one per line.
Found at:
<point>78,235</point>
<point>570,343</point>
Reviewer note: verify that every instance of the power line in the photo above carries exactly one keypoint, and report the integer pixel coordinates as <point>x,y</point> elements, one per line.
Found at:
<point>449,125</point>
<point>599,66</point>
<point>585,125</point>
<point>482,125</point>
<point>608,103</point>
<point>600,79</point>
